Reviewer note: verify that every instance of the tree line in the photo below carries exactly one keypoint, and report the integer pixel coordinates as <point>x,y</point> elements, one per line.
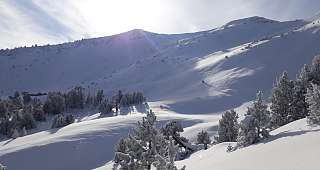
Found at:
<point>21,112</point>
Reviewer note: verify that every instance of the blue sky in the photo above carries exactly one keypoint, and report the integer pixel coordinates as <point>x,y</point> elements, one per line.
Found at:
<point>27,22</point>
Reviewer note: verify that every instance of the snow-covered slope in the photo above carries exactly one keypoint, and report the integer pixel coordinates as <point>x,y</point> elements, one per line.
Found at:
<point>126,60</point>
<point>80,146</point>
<point>192,77</point>
<point>291,147</point>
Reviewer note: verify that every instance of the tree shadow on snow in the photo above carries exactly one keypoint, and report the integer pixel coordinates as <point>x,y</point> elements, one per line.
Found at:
<point>288,134</point>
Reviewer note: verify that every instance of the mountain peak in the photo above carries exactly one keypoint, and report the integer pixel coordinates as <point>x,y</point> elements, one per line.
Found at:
<point>250,20</point>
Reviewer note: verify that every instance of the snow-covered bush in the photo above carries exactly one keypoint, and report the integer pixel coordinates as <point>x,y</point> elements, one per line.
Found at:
<point>228,127</point>
<point>313,99</point>
<point>248,131</point>
<point>145,147</point>
<point>203,138</point>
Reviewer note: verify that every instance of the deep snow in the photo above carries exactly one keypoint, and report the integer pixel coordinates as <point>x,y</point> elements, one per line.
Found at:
<point>193,77</point>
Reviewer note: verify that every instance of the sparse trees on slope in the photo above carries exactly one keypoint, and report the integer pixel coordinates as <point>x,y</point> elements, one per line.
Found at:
<point>313,99</point>
<point>144,147</point>
<point>259,111</point>
<point>203,138</point>
<point>281,99</point>
<point>228,127</point>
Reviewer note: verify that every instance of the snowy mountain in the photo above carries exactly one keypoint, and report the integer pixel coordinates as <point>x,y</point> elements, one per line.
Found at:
<point>193,77</point>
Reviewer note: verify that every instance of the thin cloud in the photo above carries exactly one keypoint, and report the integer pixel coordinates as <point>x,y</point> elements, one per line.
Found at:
<point>42,21</point>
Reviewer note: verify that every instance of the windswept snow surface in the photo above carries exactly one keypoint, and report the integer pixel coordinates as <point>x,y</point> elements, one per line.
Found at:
<point>194,77</point>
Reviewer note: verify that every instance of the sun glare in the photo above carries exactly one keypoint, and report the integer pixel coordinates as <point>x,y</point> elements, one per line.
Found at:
<point>115,16</point>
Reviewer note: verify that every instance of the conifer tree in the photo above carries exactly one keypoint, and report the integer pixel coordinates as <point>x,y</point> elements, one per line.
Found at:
<point>299,106</point>
<point>313,99</point>
<point>259,111</point>
<point>281,99</point>
<point>203,138</point>
<point>144,147</point>
<point>55,103</point>
<point>228,127</point>
<point>315,70</point>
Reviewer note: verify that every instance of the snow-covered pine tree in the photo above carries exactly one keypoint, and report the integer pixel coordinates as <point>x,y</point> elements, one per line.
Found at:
<point>281,99</point>
<point>144,147</point>
<point>248,131</point>
<point>315,70</point>
<point>260,112</point>
<point>228,127</point>
<point>203,138</point>
<point>172,130</point>
<point>299,106</point>
<point>313,99</point>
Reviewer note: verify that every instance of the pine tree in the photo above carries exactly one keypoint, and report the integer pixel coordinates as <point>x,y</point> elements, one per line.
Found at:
<point>281,99</point>
<point>313,99</point>
<point>105,107</point>
<point>259,111</point>
<point>248,131</point>
<point>75,98</point>
<point>228,127</point>
<point>144,147</point>
<point>315,70</point>
<point>203,138</point>
<point>99,97</point>
<point>172,130</point>
<point>37,110</point>
<point>299,106</point>
<point>55,103</point>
